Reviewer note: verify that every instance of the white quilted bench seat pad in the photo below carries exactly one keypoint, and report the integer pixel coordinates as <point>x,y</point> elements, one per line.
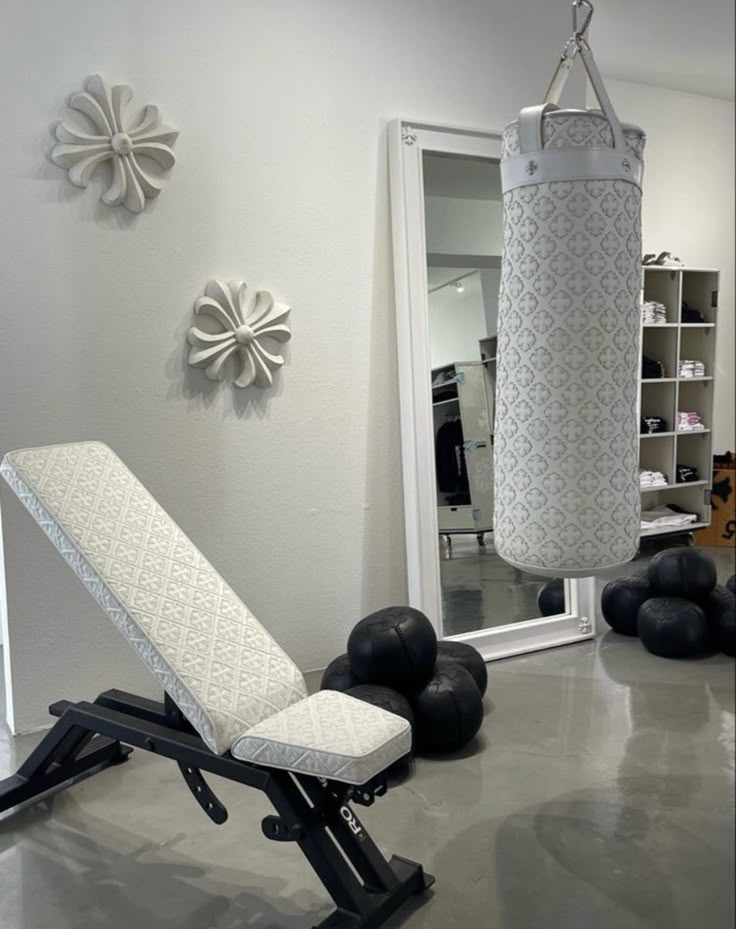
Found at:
<point>207,649</point>
<point>330,734</point>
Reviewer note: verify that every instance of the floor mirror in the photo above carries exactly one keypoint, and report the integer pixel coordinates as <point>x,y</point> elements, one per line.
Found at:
<point>447,227</point>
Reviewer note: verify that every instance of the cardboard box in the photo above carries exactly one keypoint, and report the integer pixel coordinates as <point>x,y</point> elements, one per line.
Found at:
<point>722,530</point>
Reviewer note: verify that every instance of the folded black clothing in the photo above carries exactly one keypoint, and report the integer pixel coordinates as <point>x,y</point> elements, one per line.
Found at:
<point>444,393</point>
<point>651,368</point>
<point>460,499</point>
<point>650,424</point>
<point>686,474</point>
<point>690,314</point>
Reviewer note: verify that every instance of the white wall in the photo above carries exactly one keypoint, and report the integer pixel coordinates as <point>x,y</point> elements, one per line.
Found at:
<point>491,283</point>
<point>460,226</point>
<point>281,179</point>
<point>688,206</point>
<point>457,321</point>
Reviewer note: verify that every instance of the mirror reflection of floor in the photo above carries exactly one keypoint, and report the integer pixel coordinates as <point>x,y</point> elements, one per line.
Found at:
<point>480,590</point>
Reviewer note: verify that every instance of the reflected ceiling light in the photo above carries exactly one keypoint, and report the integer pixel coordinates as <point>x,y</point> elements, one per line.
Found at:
<point>459,286</point>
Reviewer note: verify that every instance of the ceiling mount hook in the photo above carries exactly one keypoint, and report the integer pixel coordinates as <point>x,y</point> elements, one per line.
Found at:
<point>579,30</point>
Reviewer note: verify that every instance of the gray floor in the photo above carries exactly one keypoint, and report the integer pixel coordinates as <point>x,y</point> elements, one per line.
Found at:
<point>599,794</point>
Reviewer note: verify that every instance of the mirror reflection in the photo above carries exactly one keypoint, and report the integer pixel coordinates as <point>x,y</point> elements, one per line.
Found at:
<point>463,226</point>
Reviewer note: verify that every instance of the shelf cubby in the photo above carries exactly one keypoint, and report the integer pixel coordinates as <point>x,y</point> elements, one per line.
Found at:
<point>696,396</point>
<point>663,285</point>
<point>697,344</point>
<point>693,499</point>
<point>660,344</point>
<point>700,291</point>
<point>658,455</point>
<point>658,399</point>
<point>693,450</point>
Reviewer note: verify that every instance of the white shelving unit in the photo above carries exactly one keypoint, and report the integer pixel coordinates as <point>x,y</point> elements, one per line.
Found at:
<point>670,343</point>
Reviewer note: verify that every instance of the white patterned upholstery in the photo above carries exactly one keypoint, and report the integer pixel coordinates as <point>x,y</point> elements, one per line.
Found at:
<point>330,735</point>
<point>207,649</point>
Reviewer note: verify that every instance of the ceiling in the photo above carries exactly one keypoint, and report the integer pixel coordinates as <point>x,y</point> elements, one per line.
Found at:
<point>461,177</point>
<point>683,44</point>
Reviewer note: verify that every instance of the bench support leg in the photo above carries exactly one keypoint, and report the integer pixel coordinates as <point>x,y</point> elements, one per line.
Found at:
<point>365,887</point>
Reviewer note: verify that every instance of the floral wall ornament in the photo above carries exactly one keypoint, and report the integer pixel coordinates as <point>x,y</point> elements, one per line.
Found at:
<point>248,330</point>
<point>118,140</point>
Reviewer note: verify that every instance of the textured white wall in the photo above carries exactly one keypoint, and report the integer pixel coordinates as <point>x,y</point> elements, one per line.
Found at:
<point>295,495</point>
<point>688,206</point>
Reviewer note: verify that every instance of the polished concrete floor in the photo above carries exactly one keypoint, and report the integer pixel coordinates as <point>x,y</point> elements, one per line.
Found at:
<point>600,793</point>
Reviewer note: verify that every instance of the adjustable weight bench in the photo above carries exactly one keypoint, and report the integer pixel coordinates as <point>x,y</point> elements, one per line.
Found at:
<point>235,704</point>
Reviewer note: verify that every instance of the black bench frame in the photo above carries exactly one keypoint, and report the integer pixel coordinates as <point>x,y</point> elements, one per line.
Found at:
<point>314,813</point>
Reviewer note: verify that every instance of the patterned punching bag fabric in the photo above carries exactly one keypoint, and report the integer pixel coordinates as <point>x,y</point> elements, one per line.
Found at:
<point>566,444</point>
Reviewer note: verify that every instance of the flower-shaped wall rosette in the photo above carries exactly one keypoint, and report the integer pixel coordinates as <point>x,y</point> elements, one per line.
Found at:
<point>116,140</point>
<point>247,331</point>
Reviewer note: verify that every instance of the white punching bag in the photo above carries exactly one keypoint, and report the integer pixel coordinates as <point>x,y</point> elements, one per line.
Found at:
<point>567,500</point>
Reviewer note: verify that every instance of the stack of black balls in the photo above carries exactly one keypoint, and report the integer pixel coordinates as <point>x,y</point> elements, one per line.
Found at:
<point>676,608</point>
<point>395,662</point>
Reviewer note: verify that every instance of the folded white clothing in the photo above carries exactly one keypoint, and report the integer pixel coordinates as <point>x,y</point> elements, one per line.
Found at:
<point>689,421</point>
<point>690,368</point>
<point>653,313</point>
<point>663,517</point>
<point>652,479</point>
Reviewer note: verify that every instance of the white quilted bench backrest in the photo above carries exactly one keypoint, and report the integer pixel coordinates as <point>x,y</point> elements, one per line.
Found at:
<point>204,645</point>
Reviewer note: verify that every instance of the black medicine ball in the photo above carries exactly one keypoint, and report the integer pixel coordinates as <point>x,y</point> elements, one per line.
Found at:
<point>720,611</point>
<point>386,699</point>
<point>396,646</point>
<point>682,572</point>
<point>339,675</point>
<point>470,658</point>
<point>673,627</point>
<point>620,602</point>
<point>448,711</point>
<point>551,598</point>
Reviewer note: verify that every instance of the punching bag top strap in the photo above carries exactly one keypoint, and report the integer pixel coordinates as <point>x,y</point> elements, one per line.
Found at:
<point>530,127</point>
<point>596,82</point>
<point>577,42</point>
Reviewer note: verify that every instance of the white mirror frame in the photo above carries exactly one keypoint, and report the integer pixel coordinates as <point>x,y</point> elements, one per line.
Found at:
<point>408,141</point>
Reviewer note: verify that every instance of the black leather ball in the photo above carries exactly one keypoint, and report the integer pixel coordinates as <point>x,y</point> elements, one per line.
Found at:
<point>448,711</point>
<point>731,583</point>
<point>339,675</point>
<point>450,653</point>
<point>551,598</point>
<point>682,572</point>
<point>396,646</point>
<point>720,611</point>
<point>385,698</point>
<point>620,602</point>
<point>673,627</point>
